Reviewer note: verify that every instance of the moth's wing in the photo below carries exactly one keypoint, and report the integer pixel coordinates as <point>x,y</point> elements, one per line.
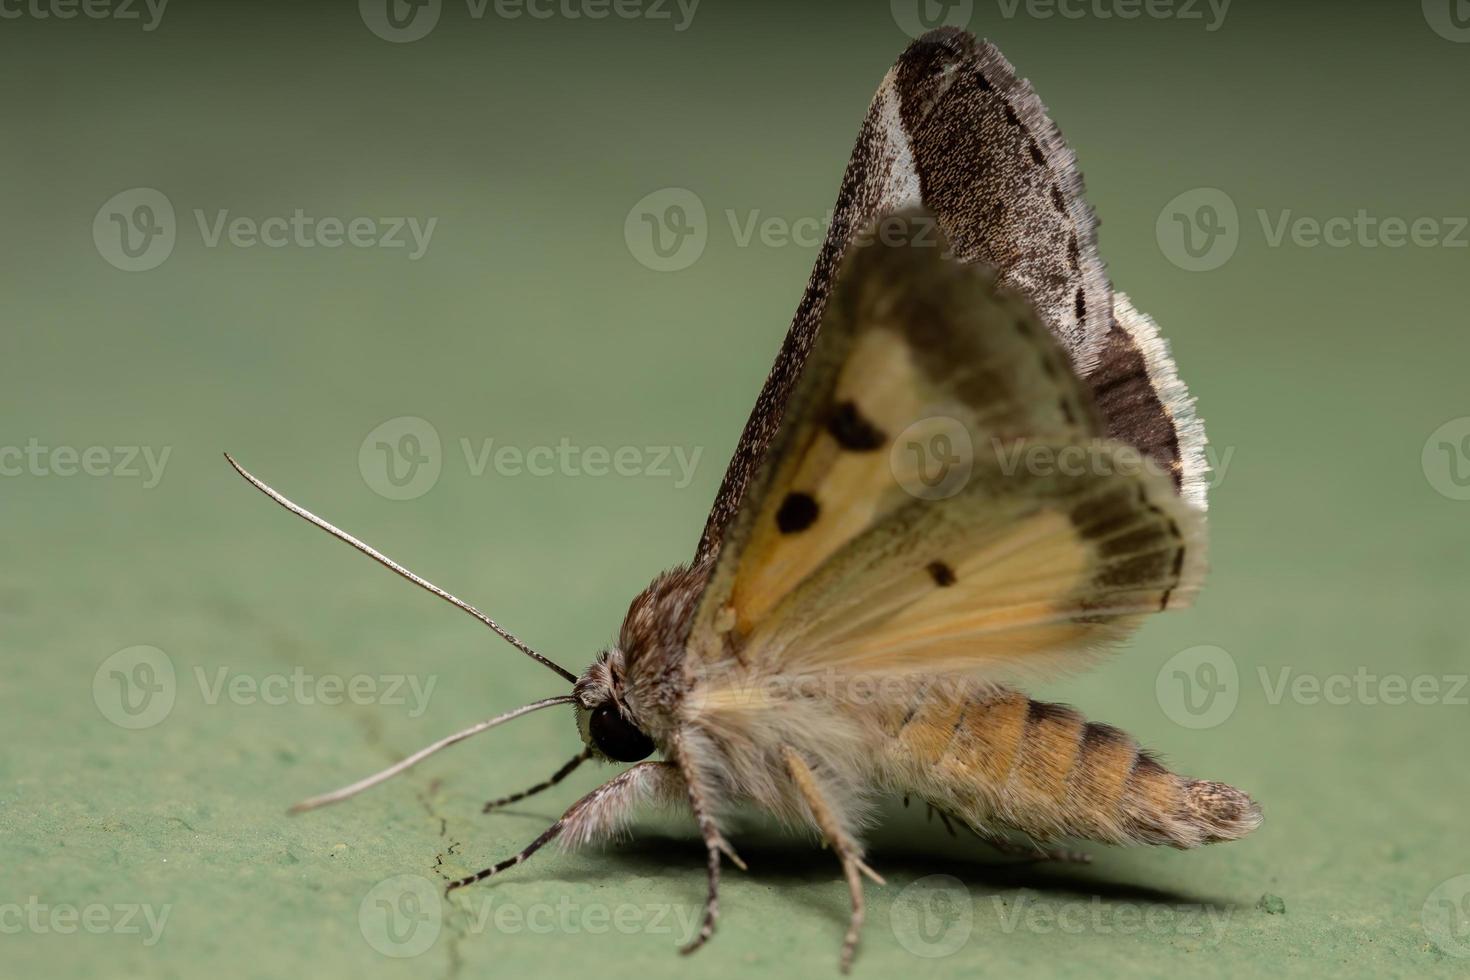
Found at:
<point>952,129</point>
<point>1029,569</point>
<point>1146,405</point>
<point>919,499</point>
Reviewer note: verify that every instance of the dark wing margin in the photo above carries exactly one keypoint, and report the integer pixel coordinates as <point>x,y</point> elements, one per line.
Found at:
<point>952,129</point>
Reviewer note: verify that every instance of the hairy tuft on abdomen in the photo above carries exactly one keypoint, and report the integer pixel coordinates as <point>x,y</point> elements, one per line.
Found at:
<point>1001,761</point>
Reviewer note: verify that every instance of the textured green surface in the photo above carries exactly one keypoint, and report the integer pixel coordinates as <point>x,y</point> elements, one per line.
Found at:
<point>1322,372</point>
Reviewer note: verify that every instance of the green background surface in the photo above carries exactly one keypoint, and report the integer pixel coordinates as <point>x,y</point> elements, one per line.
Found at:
<point>1339,546</point>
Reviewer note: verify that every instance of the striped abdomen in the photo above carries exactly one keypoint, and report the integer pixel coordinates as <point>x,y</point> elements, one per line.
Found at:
<point>998,759</point>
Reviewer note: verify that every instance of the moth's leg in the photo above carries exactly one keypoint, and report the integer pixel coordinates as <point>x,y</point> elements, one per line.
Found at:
<point>702,803</point>
<point>943,817</point>
<point>848,851</point>
<point>600,813</point>
<point>556,777</point>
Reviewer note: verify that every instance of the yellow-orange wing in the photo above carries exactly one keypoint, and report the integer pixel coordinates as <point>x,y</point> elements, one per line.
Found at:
<point>940,495</point>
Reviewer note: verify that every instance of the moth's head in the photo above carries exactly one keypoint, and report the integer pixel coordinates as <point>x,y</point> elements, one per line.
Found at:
<point>604,719</point>
<point>626,700</point>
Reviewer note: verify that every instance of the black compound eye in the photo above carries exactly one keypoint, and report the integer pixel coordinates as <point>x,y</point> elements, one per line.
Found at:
<point>615,735</point>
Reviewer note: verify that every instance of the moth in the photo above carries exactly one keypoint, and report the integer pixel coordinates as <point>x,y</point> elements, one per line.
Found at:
<point>888,556</point>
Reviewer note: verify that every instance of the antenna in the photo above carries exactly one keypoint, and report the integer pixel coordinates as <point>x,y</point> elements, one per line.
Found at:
<point>337,795</point>
<point>392,565</point>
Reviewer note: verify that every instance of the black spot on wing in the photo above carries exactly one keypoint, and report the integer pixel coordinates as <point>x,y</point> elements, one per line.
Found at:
<point>798,512</point>
<point>942,574</point>
<point>852,431</point>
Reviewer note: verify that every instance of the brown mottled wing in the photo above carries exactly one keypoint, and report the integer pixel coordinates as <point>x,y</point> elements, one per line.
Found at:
<point>953,129</point>
<point>940,493</point>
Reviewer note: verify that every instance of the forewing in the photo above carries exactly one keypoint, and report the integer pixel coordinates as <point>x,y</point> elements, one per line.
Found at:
<point>1049,553</point>
<point>913,503</point>
<point>921,364</point>
<point>954,130</point>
